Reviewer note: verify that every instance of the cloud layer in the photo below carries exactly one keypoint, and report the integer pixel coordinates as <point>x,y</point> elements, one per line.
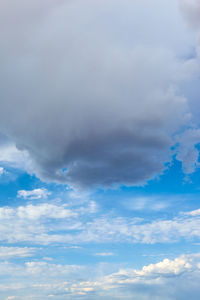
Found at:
<point>49,223</point>
<point>175,279</point>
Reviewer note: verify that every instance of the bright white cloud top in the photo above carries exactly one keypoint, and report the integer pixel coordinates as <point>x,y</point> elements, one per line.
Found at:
<point>99,149</point>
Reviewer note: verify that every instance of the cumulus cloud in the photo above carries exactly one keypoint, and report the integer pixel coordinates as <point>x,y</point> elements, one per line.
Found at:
<point>74,226</point>
<point>152,281</point>
<point>31,223</point>
<point>33,194</point>
<point>174,279</point>
<point>90,107</point>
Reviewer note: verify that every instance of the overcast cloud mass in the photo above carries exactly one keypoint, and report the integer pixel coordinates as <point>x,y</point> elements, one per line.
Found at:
<point>91,88</point>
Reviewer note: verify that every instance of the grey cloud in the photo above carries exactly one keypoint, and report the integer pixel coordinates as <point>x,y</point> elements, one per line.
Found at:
<point>90,108</point>
<point>188,152</point>
<point>191,10</point>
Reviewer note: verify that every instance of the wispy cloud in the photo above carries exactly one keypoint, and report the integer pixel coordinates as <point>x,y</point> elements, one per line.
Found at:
<point>15,252</point>
<point>104,254</point>
<point>146,203</point>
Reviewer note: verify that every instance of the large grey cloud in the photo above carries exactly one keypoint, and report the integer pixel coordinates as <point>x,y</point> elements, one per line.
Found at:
<point>89,88</point>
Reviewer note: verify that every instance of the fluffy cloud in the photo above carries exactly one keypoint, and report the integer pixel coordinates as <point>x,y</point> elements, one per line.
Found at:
<point>90,106</point>
<point>36,224</point>
<point>33,194</point>
<point>152,281</point>
<point>168,279</point>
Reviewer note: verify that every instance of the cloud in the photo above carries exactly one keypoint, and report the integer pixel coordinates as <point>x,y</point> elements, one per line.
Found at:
<point>168,279</point>
<point>34,223</point>
<point>1,171</point>
<point>151,281</point>
<point>33,194</point>
<point>88,105</point>
<point>191,10</point>
<point>146,203</point>
<point>188,152</point>
<point>15,252</point>
<point>13,157</point>
<point>193,213</point>
<point>48,223</point>
<point>104,254</point>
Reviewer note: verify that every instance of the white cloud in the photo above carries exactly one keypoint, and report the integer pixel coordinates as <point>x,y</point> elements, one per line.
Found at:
<point>1,171</point>
<point>104,254</point>
<point>45,210</point>
<point>150,281</point>
<point>36,224</point>
<point>14,252</point>
<point>168,279</point>
<point>33,194</point>
<point>33,223</point>
<point>193,213</point>
<point>9,154</point>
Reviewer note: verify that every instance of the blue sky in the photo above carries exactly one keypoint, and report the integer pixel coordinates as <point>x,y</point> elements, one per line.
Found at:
<point>99,150</point>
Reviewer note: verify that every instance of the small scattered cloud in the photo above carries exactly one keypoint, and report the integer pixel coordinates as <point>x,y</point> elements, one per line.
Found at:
<point>105,254</point>
<point>193,213</point>
<point>16,252</point>
<point>1,171</point>
<point>33,194</point>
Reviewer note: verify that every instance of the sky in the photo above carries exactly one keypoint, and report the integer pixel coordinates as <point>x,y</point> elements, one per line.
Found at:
<point>99,149</point>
